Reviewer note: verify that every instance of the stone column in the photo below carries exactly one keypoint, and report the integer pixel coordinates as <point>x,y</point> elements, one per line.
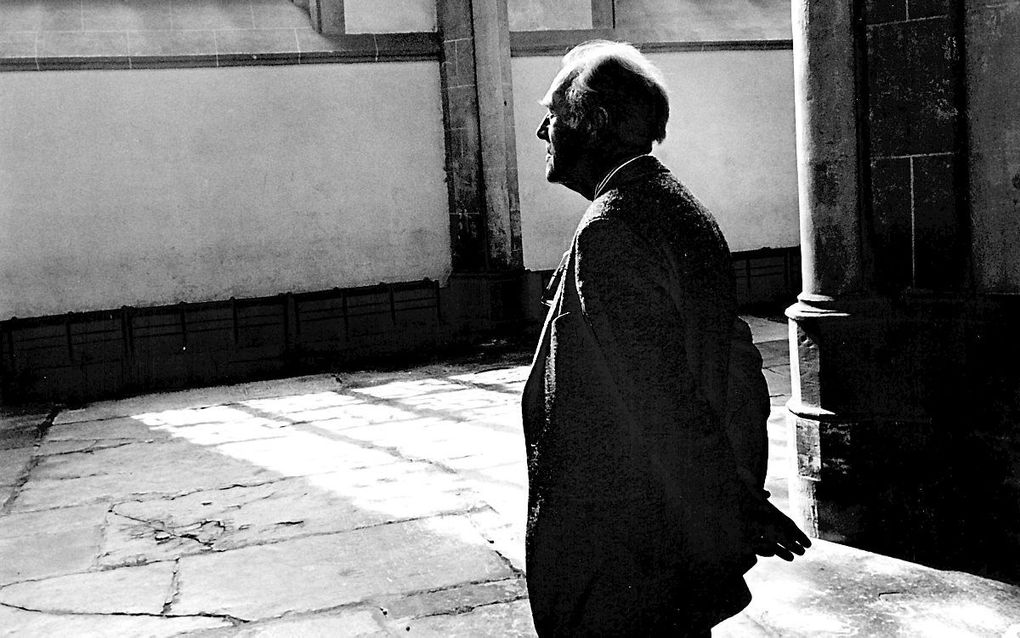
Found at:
<point>485,223</point>
<point>327,15</point>
<point>828,161</point>
<point>496,125</point>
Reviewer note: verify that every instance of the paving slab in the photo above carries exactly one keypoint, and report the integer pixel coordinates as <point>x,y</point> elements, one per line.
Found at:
<point>198,398</point>
<point>358,622</point>
<point>120,429</point>
<point>836,590</point>
<point>127,590</point>
<point>13,462</point>
<point>322,572</point>
<point>48,554</point>
<point>24,436</point>
<point>361,504</point>
<point>46,521</point>
<point>512,619</point>
<point>146,530</point>
<point>763,330</point>
<point>452,600</point>
<point>780,389</point>
<point>117,473</point>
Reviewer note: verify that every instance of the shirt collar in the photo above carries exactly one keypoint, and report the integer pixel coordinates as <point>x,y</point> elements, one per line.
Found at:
<point>605,180</point>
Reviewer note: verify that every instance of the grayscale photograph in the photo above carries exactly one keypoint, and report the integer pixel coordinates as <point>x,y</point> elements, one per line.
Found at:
<point>509,318</point>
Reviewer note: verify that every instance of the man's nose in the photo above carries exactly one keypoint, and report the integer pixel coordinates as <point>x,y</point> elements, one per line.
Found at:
<point>543,129</point>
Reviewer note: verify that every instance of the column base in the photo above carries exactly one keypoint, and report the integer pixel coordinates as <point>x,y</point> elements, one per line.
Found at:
<point>905,427</point>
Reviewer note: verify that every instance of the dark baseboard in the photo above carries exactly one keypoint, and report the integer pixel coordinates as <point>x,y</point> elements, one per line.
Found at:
<point>84,356</point>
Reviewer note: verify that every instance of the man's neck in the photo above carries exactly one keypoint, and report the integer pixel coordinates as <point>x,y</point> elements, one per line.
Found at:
<point>601,187</point>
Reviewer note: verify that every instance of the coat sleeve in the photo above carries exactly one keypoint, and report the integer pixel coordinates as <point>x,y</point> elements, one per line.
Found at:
<point>748,408</point>
<point>623,293</point>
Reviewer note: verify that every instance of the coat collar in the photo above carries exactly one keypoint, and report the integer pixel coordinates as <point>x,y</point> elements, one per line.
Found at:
<point>635,169</point>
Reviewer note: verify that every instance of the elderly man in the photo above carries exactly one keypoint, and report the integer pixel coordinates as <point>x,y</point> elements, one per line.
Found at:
<point>645,461</point>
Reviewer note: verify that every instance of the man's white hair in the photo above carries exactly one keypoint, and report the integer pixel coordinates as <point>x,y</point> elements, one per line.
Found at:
<point>616,79</point>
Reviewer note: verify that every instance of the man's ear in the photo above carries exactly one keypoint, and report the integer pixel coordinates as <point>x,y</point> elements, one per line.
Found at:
<point>599,124</point>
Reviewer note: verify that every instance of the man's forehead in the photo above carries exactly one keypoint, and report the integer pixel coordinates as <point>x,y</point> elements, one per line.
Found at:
<point>559,86</point>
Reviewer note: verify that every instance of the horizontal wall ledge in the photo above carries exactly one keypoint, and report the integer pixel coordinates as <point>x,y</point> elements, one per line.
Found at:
<point>540,43</point>
<point>82,356</point>
<point>230,48</point>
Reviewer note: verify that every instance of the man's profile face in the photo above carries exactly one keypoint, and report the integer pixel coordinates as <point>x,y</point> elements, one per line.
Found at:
<point>566,146</point>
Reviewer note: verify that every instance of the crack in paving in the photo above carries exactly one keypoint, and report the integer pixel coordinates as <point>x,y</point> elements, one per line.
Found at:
<point>464,609</point>
<point>265,543</point>
<point>311,427</point>
<point>91,449</point>
<point>33,461</point>
<point>490,387</point>
<point>163,533</point>
<point>518,579</point>
<point>233,620</point>
<point>175,588</point>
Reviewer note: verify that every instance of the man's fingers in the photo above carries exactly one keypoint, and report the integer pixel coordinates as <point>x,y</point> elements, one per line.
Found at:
<point>784,553</point>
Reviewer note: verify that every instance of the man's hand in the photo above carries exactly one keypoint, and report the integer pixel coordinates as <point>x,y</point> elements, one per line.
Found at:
<point>772,533</point>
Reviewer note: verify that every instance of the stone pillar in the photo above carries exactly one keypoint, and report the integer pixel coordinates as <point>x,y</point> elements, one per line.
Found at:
<point>826,82</point>
<point>327,15</point>
<point>496,125</point>
<point>485,224</point>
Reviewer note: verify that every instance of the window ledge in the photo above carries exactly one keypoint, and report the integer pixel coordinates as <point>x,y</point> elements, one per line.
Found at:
<point>45,51</point>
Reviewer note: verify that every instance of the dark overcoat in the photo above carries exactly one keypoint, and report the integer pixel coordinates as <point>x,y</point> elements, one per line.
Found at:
<point>635,522</point>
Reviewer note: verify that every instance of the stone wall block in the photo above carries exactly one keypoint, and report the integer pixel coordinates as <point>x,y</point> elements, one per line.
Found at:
<point>940,237</point>
<point>930,8</point>
<point>878,11</point>
<point>892,224</point>
<point>913,89</point>
<point>454,18</point>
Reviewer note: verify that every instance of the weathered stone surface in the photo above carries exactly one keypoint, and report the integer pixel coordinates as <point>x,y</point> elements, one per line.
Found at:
<point>402,490</point>
<point>764,330</point>
<point>500,376</point>
<point>405,389</point>
<point>349,623</point>
<point>741,626</point>
<point>513,620</point>
<point>322,572</point>
<point>145,530</point>
<point>503,531</point>
<point>57,447</point>
<point>13,463</point>
<point>778,378</point>
<point>215,425</point>
<point>453,444</point>
<point>23,436</point>
<point>198,398</point>
<point>129,542</point>
<point>17,622</point>
<point>140,468</point>
<point>838,590</point>
<point>301,453</point>
<point>128,590</point>
<point>398,610</point>
<point>48,554</point>
<point>11,422</point>
<point>121,429</point>
<point>65,519</point>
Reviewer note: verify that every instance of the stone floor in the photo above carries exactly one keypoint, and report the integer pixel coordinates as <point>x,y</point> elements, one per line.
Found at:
<point>365,504</point>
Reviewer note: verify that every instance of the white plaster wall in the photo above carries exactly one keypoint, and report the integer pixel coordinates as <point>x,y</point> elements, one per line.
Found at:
<point>538,15</point>
<point>389,16</point>
<point>730,139</point>
<point>159,186</point>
